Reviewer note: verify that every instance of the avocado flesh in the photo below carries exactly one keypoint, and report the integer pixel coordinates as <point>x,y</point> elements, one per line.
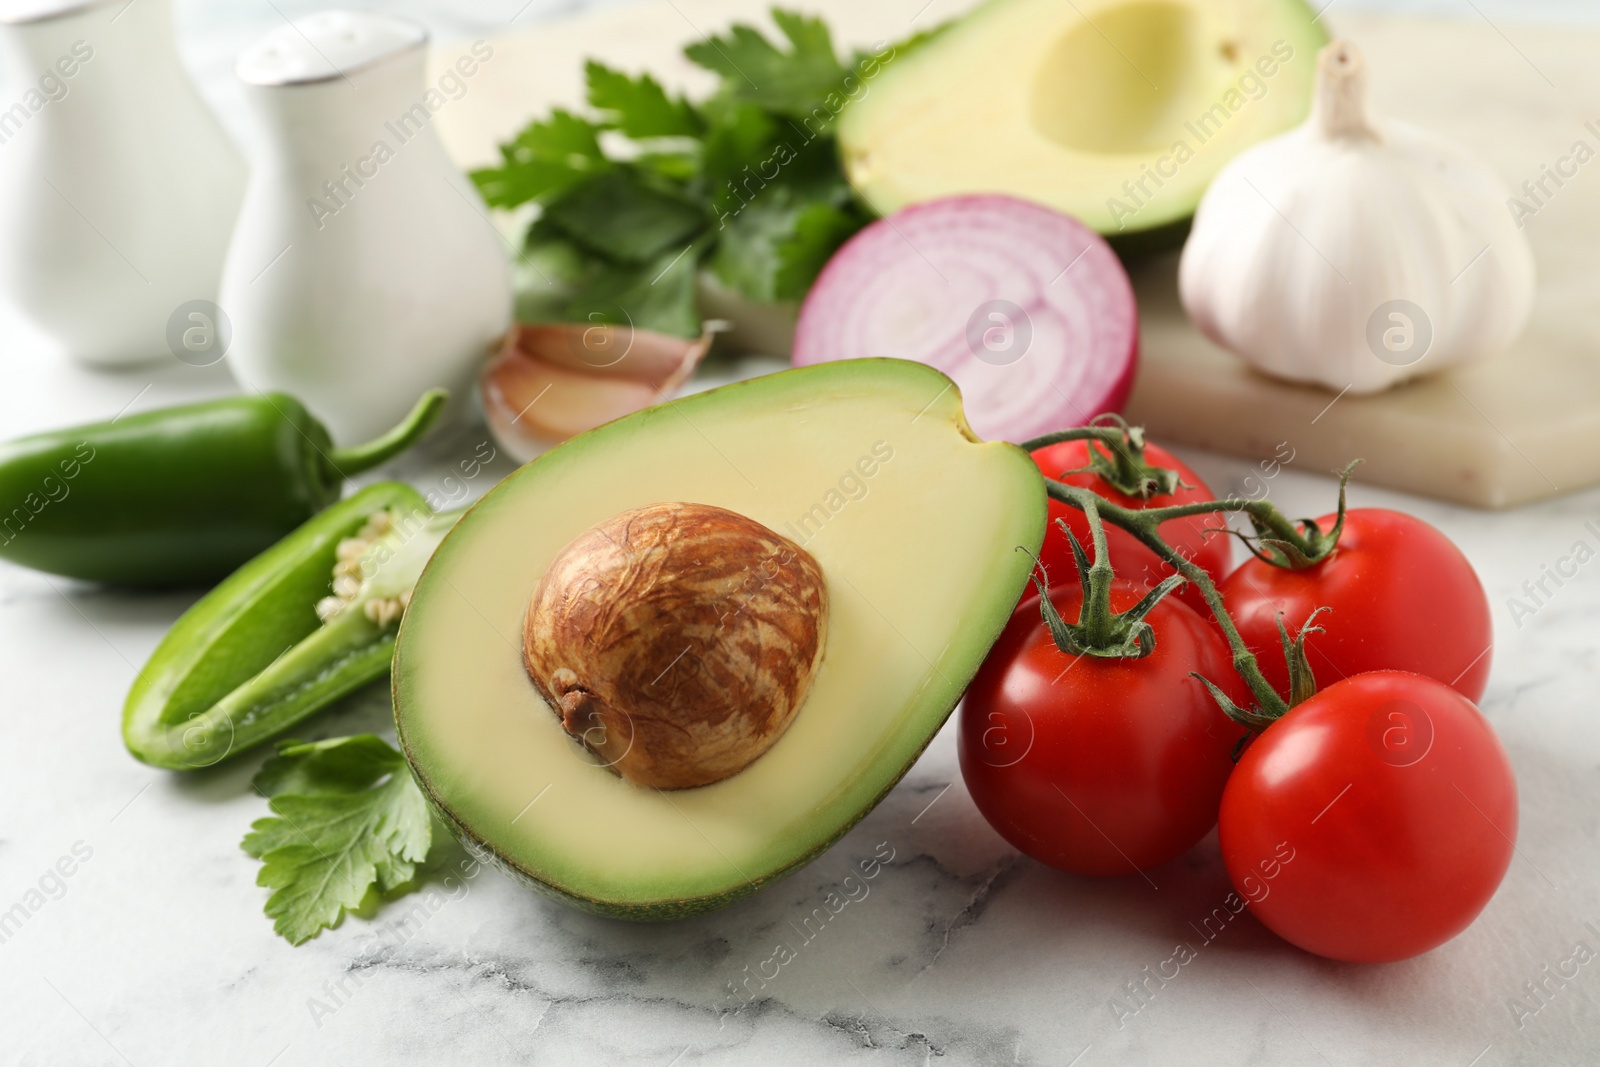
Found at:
<point>922,569</point>
<point>1064,103</point>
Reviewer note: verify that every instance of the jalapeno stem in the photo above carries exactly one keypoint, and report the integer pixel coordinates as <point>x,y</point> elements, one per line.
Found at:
<point>344,462</point>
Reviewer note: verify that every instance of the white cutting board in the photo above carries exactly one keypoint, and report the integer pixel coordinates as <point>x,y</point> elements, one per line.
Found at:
<point>1524,427</point>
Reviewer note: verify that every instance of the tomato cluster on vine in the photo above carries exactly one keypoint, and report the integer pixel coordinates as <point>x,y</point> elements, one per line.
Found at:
<point>1112,725</point>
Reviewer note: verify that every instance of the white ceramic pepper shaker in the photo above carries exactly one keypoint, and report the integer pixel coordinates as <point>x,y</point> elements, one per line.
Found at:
<point>118,187</point>
<point>364,269</point>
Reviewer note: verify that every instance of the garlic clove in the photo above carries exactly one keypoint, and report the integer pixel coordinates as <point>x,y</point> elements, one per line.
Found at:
<point>550,381</point>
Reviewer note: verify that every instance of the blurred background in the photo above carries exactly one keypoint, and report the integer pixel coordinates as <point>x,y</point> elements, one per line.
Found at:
<point>212,32</point>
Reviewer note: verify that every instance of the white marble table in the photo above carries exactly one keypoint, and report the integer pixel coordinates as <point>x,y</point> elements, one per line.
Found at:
<point>154,950</point>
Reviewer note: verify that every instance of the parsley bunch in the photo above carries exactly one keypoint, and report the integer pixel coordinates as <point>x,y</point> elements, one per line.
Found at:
<point>635,198</point>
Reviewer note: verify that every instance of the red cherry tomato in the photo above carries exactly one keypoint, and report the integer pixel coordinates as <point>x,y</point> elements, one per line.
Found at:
<point>1403,597</point>
<point>1100,766</point>
<point>1374,821</point>
<point>1131,560</point>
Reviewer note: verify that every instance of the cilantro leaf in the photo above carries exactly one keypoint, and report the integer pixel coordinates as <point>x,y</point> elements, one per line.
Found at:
<point>659,295</point>
<point>809,35</point>
<point>773,248</point>
<point>752,68</point>
<point>746,182</point>
<point>340,765</point>
<point>545,158</point>
<point>870,63</point>
<point>676,166</point>
<point>551,270</point>
<point>746,259</point>
<point>622,214</point>
<point>347,817</point>
<point>819,229</point>
<point>742,137</point>
<point>639,107</point>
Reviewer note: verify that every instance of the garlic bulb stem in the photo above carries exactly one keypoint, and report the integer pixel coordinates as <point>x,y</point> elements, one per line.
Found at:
<point>1340,106</point>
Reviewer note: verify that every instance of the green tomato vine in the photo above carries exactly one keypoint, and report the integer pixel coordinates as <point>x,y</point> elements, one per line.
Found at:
<point>1277,540</point>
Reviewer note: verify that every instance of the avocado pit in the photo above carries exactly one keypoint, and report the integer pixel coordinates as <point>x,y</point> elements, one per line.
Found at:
<point>677,641</point>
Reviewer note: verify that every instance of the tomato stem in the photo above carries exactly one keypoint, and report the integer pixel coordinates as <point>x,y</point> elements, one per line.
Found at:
<point>1144,525</point>
<point>1276,539</point>
<point>1096,616</point>
<point>1120,462</point>
<point>1100,630</point>
<point>1302,682</point>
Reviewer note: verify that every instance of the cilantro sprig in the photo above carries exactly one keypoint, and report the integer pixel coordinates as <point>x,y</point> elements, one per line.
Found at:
<point>646,188</point>
<point>347,818</point>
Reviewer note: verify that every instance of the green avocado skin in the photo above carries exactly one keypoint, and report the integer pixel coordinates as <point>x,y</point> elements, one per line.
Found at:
<point>171,497</point>
<point>654,911</point>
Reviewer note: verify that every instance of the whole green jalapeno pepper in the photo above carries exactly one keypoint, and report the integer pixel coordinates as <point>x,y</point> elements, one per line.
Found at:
<point>182,495</point>
<point>305,623</point>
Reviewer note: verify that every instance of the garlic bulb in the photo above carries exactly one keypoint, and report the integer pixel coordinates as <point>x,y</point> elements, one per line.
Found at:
<point>1355,254</point>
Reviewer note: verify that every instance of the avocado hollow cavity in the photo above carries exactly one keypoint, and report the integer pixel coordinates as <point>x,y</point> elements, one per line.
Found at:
<point>677,641</point>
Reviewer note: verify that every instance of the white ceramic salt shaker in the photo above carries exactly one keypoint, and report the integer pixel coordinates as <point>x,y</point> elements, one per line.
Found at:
<point>118,187</point>
<point>364,269</point>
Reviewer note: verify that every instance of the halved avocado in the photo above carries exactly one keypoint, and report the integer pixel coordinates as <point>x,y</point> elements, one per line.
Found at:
<point>915,523</point>
<point>1117,112</point>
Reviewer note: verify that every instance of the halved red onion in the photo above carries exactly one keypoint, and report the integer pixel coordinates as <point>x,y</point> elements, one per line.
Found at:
<point>1027,309</point>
